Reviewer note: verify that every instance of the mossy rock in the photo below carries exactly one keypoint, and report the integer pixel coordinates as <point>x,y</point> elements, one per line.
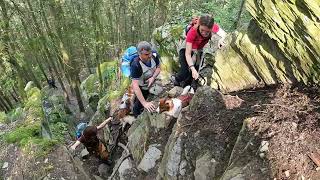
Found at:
<point>21,134</point>
<point>4,118</point>
<point>93,101</point>
<point>90,85</point>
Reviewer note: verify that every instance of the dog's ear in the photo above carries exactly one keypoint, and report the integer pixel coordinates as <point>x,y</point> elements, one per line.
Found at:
<point>162,101</point>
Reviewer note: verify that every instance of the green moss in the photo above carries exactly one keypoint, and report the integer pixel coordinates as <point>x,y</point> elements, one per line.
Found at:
<point>16,114</point>
<point>114,95</point>
<point>176,31</point>
<point>21,134</point>
<point>125,84</point>
<point>3,118</point>
<point>59,130</point>
<point>91,84</point>
<point>38,146</point>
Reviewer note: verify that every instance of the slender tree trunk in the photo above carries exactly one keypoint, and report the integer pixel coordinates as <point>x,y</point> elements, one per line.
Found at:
<point>236,23</point>
<point>6,100</point>
<point>76,86</point>
<point>97,36</point>
<point>14,97</point>
<point>4,105</point>
<point>6,41</point>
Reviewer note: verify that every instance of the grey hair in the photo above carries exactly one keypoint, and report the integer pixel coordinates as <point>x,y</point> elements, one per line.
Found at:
<point>144,46</point>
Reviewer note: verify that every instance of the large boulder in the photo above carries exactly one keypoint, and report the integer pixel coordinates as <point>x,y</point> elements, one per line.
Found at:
<point>197,146</point>
<point>245,161</point>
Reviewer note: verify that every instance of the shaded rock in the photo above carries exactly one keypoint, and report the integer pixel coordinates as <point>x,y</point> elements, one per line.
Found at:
<point>149,159</point>
<point>97,177</point>
<point>103,170</point>
<point>159,121</point>
<point>174,159</point>
<point>93,101</point>
<point>125,166</point>
<point>138,136</point>
<point>205,167</point>
<point>176,91</point>
<point>238,177</point>
<point>244,163</point>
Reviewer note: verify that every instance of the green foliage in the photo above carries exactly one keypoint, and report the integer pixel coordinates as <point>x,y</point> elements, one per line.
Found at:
<point>59,131</point>
<point>16,114</point>
<point>22,134</point>
<point>3,118</point>
<point>41,146</point>
<point>34,105</point>
<point>109,72</point>
<point>90,85</point>
<point>225,14</point>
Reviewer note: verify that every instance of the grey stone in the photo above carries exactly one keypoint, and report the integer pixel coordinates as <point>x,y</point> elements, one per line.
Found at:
<point>103,170</point>
<point>264,146</point>
<point>238,177</point>
<point>5,165</point>
<point>97,177</point>
<point>124,167</point>
<point>149,159</point>
<point>174,159</point>
<point>84,153</point>
<point>205,167</point>
<point>176,91</point>
<point>182,169</point>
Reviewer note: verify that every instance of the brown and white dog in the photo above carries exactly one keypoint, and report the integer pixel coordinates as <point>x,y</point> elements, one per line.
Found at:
<point>123,112</point>
<point>173,106</point>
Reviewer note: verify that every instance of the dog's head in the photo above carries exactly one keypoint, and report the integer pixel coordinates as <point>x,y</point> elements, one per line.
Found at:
<point>165,104</point>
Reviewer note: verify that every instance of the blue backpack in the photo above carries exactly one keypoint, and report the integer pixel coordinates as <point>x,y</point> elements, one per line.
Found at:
<point>129,55</point>
<point>80,128</point>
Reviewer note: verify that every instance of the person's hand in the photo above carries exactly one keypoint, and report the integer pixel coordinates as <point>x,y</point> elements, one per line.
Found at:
<point>149,106</point>
<point>109,119</point>
<point>221,43</point>
<point>73,148</point>
<point>194,72</point>
<point>150,81</point>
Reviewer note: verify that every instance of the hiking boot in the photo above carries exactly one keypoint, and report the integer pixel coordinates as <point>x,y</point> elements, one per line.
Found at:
<point>107,162</point>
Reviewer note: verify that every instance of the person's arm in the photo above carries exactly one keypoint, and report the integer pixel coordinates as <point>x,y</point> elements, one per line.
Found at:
<point>75,145</point>
<point>104,123</point>
<point>136,89</point>
<point>190,62</point>
<point>154,76</point>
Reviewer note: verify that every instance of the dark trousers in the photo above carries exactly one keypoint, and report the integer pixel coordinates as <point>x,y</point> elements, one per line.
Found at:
<point>184,76</point>
<point>137,106</point>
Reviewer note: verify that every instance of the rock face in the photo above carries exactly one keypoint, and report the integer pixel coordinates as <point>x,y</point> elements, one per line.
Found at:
<point>189,154</point>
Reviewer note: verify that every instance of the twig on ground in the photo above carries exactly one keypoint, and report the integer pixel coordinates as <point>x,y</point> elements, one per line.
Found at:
<point>190,124</point>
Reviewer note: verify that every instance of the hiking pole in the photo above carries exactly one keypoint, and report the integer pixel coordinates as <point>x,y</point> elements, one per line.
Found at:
<point>200,68</point>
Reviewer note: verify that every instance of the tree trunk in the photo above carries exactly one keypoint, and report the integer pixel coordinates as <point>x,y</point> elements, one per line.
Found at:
<point>4,105</point>
<point>14,97</point>
<point>236,23</point>
<point>76,86</point>
<point>6,100</point>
